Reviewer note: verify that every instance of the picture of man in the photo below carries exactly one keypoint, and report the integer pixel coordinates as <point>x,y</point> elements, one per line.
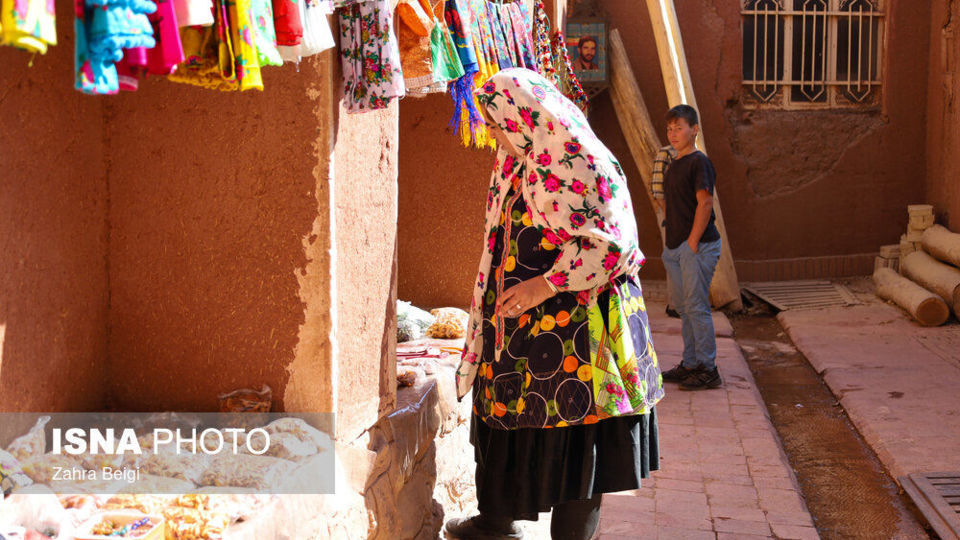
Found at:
<point>587,47</point>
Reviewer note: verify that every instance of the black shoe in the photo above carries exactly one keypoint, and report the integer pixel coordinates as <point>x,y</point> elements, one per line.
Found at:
<point>672,313</point>
<point>480,528</point>
<point>702,379</point>
<point>679,373</point>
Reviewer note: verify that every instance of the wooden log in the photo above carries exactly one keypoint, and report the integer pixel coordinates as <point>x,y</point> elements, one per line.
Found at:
<point>934,276</point>
<point>636,125</point>
<point>891,251</point>
<point>634,117</point>
<point>942,244</point>
<point>926,307</point>
<point>724,289</point>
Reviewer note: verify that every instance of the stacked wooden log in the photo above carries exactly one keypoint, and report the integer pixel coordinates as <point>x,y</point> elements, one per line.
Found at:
<point>928,257</point>
<point>889,258</point>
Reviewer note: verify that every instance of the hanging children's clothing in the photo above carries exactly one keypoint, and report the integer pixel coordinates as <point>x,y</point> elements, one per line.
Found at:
<point>265,42</point>
<point>522,32</point>
<point>466,118</point>
<point>131,68</point>
<point>163,58</point>
<point>287,22</point>
<point>413,40</point>
<point>434,48</point>
<point>245,69</point>
<point>371,61</point>
<point>208,54</point>
<point>28,24</point>
<point>104,28</point>
<point>194,12</point>
<point>317,36</point>
<point>446,62</point>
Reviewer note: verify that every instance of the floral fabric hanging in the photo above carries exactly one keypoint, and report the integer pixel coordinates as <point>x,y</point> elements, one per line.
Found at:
<point>370,57</point>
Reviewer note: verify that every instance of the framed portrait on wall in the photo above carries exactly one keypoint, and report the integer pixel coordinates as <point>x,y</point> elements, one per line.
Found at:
<point>587,48</point>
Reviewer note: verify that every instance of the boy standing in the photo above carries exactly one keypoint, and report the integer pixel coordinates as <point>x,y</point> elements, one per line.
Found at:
<point>692,249</point>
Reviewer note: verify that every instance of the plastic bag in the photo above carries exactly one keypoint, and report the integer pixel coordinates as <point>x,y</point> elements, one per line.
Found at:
<point>243,470</point>
<point>11,474</point>
<point>41,469</point>
<point>283,446</point>
<point>36,507</point>
<point>451,323</point>
<point>247,400</point>
<point>291,439</point>
<point>188,467</point>
<point>412,321</point>
<point>317,36</point>
<point>32,444</point>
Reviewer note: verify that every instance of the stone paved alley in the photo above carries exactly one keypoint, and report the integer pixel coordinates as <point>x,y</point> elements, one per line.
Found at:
<point>723,474</point>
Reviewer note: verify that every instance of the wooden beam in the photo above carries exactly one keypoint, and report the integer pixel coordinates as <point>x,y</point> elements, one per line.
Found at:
<point>934,276</point>
<point>557,12</point>
<point>634,117</point>
<point>724,290</point>
<point>926,307</point>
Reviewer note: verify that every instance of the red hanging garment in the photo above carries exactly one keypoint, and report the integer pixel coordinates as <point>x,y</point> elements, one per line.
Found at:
<point>286,20</point>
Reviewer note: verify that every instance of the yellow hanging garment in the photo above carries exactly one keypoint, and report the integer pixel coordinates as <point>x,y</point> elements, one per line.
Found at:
<point>28,24</point>
<point>243,36</point>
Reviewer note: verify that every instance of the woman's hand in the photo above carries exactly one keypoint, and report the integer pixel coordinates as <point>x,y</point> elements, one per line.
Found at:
<point>527,295</point>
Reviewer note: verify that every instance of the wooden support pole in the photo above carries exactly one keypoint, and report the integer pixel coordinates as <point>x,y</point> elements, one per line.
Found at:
<point>636,125</point>
<point>724,290</point>
<point>935,276</point>
<point>926,307</point>
<point>634,117</point>
<point>557,13</point>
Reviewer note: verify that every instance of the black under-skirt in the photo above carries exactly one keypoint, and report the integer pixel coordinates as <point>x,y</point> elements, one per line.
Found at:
<point>522,472</point>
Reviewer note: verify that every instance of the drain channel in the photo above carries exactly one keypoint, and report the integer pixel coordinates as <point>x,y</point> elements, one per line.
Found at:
<point>848,492</point>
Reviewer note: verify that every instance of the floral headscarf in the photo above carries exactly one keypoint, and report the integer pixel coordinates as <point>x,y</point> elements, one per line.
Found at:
<point>575,188</point>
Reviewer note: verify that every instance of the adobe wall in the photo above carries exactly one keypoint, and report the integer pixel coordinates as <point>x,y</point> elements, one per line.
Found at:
<point>943,113</point>
<point>53,234</point>
<point>815,192</point>
<point>805,194</point>
<point>365,172</point>
<point>212,195</point>
<point>174,243</point>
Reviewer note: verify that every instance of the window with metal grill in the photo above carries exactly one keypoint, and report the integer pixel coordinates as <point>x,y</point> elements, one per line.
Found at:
<point>812,54</point>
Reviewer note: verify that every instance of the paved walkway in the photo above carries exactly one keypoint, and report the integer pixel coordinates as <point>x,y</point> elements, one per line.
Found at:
<point>723,474</point>
<point>899,382</point>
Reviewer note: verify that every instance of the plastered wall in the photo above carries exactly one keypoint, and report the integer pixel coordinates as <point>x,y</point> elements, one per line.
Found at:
<point>943,129</point>
<point>53,235</point>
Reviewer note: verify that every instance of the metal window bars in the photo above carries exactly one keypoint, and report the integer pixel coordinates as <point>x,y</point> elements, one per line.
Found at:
<point>812,53</point>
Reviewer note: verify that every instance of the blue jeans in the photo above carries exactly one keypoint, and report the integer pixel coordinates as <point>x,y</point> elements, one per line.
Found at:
<point>690,275</point>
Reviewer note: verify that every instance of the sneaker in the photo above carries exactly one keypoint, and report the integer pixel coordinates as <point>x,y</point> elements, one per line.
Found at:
<point>702,379</point>
<point>678,373</point>
<point>478,528</point>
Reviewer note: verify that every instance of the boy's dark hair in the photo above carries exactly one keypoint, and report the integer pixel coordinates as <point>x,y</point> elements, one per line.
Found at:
<point>685,112</point>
